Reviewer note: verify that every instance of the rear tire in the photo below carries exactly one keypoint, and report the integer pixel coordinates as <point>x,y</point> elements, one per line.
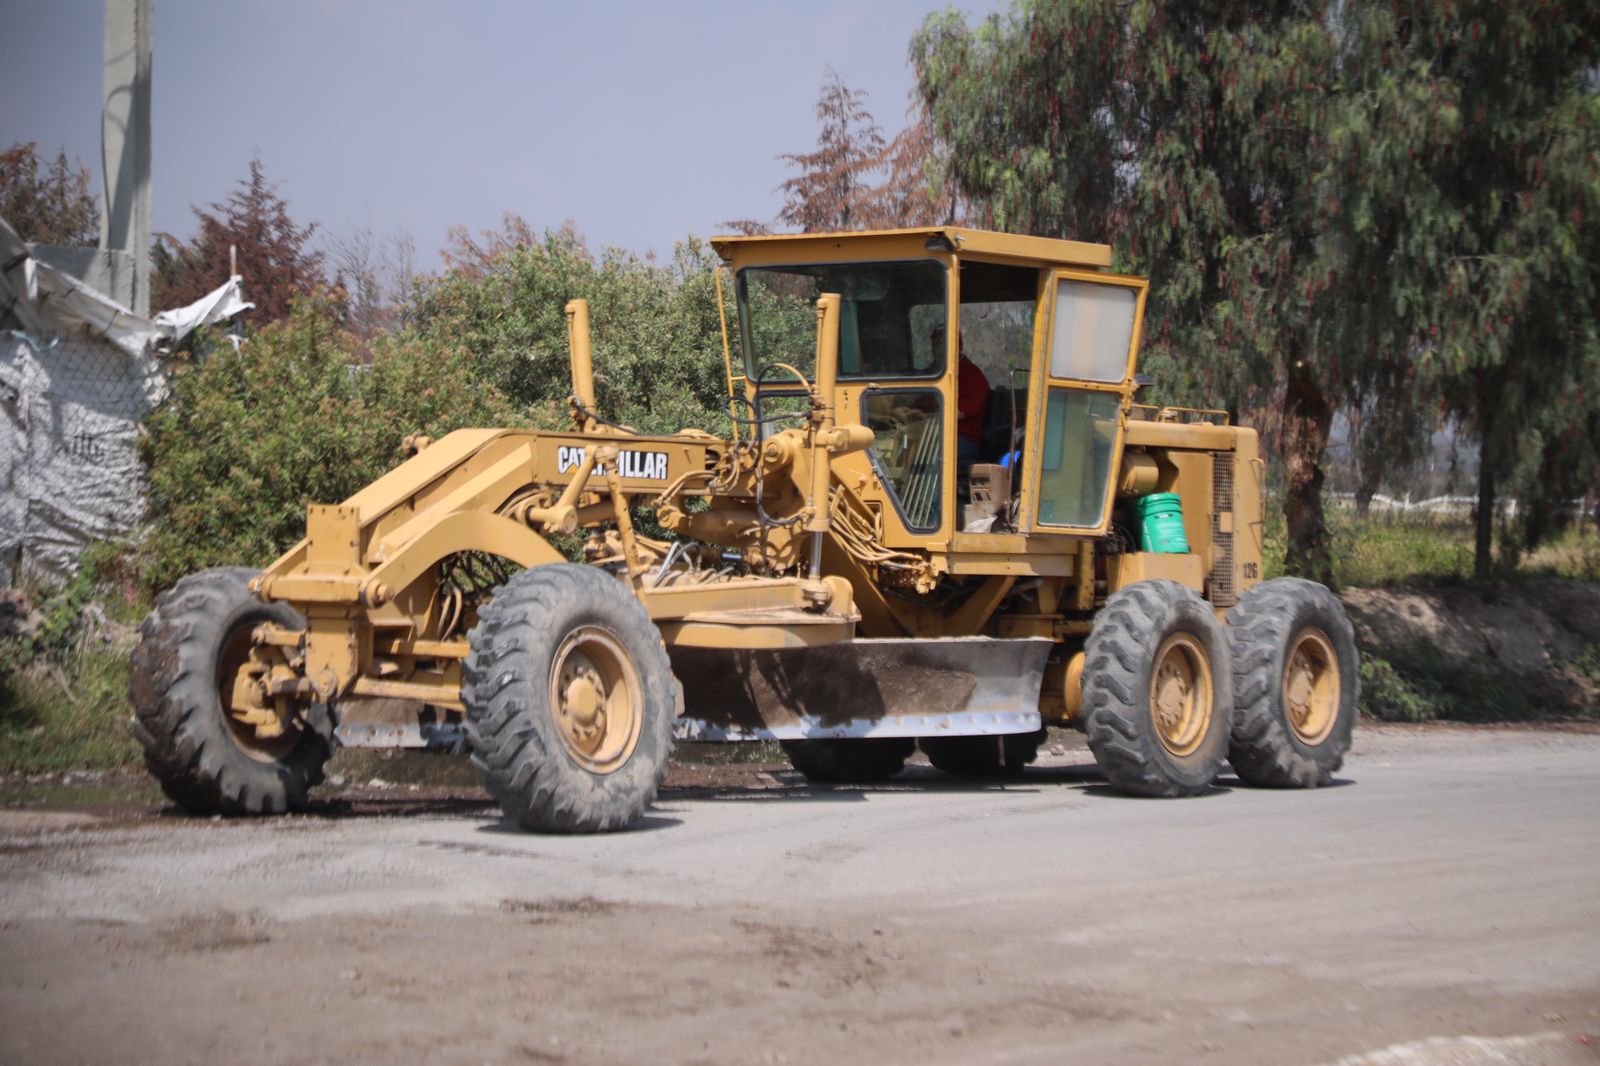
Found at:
<point>1157,691</point>
<point>1002,756</point>
<point>1297,681</point>
<point>207,761</point>
<point>570,701</point>
<point>850,762</point>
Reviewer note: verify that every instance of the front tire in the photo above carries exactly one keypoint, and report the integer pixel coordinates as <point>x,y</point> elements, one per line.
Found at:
<point>868,761</point>
<point>1298,684</point>
<point>1157,691</point>
<point>209,762</point>
<point>570,701</point>
<point>1001,756</point>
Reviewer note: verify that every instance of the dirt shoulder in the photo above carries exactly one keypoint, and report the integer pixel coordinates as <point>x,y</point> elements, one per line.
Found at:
<point>1480,651</point>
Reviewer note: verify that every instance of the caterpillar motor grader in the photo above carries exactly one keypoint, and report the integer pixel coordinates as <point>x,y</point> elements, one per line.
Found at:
<point>930,524</point>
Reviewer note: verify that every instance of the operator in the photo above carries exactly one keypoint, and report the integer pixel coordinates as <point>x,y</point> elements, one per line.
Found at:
<point>972,401</point>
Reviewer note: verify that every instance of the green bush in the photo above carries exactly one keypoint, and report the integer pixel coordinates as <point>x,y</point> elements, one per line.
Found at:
<point>1386,695</point>
<point>1586,663</point>
<point>657,335</point>
<point>1416,683</point>
<point>300,414</point>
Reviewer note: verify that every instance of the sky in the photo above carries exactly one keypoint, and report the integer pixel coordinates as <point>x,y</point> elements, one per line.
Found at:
<point>640,122</point>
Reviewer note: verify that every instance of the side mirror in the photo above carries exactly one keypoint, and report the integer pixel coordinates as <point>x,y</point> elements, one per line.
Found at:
<point>1140,383</point>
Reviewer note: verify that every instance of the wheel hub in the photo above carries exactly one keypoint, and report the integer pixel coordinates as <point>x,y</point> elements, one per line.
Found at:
<point>1180,694</point>
<point>1172,693</point>
<point>595,697</point>
<point>583,700</point>
<point>257,722</point>
<point>1311,686</point>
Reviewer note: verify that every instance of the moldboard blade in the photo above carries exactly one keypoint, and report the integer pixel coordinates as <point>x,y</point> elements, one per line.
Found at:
<point>954,686</point>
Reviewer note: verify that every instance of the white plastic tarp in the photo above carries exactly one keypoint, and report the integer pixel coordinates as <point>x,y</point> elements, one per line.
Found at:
<point>78,373</point>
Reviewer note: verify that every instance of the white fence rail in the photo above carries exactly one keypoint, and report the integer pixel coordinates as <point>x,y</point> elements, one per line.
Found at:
<point>1443,506</point>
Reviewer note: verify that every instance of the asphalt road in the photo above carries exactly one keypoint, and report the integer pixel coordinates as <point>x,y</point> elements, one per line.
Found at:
<point>1447,887</point>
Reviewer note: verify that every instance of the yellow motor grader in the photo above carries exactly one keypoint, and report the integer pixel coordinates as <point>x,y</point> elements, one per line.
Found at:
<point>942,518</point>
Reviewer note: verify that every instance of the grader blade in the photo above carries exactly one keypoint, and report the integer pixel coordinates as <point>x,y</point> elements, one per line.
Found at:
<point>863,688</point>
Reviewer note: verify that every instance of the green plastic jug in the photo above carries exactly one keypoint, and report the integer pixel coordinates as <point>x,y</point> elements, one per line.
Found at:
<point>1161,524</point>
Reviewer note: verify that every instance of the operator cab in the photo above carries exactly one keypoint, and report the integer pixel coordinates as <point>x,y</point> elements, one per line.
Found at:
<point>950,342</point>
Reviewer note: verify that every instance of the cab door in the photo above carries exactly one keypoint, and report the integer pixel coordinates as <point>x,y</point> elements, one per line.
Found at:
<point>1082,388</point>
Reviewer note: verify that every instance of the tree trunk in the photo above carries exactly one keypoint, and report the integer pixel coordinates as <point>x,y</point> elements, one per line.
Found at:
<point>1481,557</point>
<point>1307,418</point>
<point>1371,480</point>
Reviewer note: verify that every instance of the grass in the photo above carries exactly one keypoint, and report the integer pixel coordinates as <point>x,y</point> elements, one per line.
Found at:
<point>1576,554</point>
<point>1389,549</point>
<point>64,684</point>
<point>67,715</point>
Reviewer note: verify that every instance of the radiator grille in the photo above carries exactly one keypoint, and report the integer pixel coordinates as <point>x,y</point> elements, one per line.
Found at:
<point>1223,590</point>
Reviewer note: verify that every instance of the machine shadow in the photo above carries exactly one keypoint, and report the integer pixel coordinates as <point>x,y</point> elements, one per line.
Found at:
<point>348,808</point>
<point>655,821</point>
<point>791,787</point>
<point>774,785</point>
<point>1105,791</point>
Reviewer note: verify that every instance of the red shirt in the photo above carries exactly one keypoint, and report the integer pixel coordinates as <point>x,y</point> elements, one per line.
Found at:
<point>972,400</point>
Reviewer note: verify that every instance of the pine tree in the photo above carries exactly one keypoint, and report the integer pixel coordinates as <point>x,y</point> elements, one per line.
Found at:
<point>47,204</point>
<point>835,189</point>
<point>919,189</point>
<point>273,258</point>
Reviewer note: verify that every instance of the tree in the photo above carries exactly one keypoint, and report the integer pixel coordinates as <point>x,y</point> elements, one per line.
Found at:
<point>1189,135</point>
<point>47,204</point>
<point>1465,161</point>
<point>376,274</point>
<point>273,258</point>
<point>834,190</point>
<point>857,180</point>
<point>920,189</point>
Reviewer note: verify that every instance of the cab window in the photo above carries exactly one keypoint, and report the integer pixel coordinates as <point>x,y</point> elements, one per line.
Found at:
<point>1092,332</point>
<point>908,450</point>
<point>888,313</point>
<point>1075,460</point>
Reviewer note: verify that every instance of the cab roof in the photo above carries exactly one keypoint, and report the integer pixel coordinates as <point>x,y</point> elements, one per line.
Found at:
<point>1043,251</point>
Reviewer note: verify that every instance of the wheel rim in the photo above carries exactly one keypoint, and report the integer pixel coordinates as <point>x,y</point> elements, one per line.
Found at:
<point>239,692</point>
<point>1181,694</point>
<point>1311,686</point>
<point>595,699</point>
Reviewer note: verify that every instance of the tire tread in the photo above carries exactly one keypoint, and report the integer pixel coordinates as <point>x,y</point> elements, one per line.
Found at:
<point>1117,719</point>
<point>178,717</point>
<point>1262,750</point>
<point>509,728</point>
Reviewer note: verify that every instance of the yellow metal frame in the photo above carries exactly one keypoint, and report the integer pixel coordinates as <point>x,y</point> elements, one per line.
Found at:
<point>984,244</point>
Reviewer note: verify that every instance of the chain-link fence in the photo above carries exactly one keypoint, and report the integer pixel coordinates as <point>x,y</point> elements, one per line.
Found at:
<point>70,408</point>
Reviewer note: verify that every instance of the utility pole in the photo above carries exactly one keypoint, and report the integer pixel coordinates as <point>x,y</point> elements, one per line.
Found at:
<point>125,146</point>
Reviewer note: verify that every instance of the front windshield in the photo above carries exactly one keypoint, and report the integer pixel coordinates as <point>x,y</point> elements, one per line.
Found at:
<point>886,321</point>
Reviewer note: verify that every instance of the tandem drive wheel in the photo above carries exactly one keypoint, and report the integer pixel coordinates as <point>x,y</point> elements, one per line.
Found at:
<point>1157,691</point>
<point>570,700</point>
<point>1297,682</point>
